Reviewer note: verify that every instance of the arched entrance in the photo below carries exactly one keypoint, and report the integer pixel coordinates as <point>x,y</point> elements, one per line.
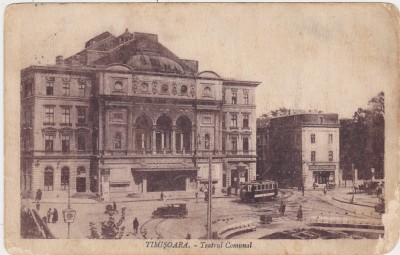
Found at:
<point>143,133</point>
<point>183,134</point>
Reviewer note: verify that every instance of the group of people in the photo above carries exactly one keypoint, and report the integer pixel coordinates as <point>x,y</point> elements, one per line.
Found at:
<point>52,216</point>
<point>282,209</point>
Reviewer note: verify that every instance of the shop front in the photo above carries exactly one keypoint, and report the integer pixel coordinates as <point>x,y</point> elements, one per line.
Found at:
<point>323,174</point>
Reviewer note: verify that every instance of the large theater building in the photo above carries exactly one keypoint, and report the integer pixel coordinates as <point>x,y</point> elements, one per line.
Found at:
<point>126,115</point>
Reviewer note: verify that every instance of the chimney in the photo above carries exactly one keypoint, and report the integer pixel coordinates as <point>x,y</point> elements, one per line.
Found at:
<point>59,60</point>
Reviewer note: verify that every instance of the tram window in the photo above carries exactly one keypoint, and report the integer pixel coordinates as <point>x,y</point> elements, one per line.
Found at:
<point>258,187</point>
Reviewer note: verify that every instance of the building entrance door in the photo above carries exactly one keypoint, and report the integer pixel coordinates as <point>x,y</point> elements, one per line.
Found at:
<point>81,184</point>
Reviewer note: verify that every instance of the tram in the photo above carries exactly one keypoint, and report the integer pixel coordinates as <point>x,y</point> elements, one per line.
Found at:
<point>258,190</point>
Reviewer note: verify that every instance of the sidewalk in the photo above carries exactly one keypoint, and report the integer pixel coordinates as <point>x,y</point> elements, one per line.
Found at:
<point>135,197</point>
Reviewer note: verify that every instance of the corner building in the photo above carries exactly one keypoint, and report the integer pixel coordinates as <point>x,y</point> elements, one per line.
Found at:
<point>126,115</point>
<point>302,149</point>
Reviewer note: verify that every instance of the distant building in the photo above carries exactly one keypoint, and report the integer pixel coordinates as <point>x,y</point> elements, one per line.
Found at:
<point>300,149</point>
<point>126,115</point>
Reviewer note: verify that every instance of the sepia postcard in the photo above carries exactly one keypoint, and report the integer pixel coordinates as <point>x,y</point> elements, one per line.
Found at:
<point>240,128</point>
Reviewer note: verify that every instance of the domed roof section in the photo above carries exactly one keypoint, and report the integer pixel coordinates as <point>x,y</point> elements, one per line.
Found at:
<point>145,62</point>
<point>145,53</point>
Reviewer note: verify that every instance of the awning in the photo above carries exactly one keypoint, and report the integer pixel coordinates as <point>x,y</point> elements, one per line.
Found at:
<point>165,169</point>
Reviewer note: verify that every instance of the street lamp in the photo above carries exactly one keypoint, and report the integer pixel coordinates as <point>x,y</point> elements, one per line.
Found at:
<point>69,214</point>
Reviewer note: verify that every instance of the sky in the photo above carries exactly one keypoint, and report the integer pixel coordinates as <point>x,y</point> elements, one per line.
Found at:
<point>328,57</point>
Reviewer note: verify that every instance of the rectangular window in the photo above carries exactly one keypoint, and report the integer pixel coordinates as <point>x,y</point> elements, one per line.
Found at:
<point>82,88</point>
<point>245,144</point>
<point>49,115</point>
<point>65,143</point>
<point>330,138</point>
<point>66,89</point>
<point>66,116</point>
<point>312,138</point>
<point>330,155</point>
<point>246,98</point>
<point>313,155</point>
<point>234,144</point>
<point>245,121</point>
<point>223,143</point>
<point>117,141</point>
<point>234,98</point>
<point>234,121</point>
<point>81,115</point>
<point>49,88</point>
<point>223,120</point>
<point>81,142</point>
<point>48,142</point>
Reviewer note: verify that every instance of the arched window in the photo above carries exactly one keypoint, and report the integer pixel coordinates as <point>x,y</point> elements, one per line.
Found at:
<point>64,178</point>
<point>48,178</point>
<point>207,141</point>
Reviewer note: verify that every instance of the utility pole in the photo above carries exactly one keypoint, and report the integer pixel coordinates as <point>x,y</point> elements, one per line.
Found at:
<point>69,206</point>
<point>209,232</point>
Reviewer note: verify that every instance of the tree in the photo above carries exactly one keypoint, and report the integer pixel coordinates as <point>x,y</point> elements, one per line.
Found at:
<point>362,139</point>
<point>109,229</point>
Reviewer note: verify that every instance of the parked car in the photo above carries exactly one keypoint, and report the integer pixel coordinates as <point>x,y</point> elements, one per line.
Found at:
<point>176,209</point>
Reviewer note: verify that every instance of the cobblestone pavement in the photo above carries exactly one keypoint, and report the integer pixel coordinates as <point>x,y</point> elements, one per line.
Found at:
<point>225,211</point>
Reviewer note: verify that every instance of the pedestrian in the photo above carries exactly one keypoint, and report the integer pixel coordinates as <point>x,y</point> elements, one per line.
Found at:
<point>300,214</point>
<point>162,196</point>
<point>55,215</point>
<point>115,207</point>
<point>325,190</point>
<point>282,208</point>
<point>313,186</point>
<point>188,236</point>
<point>302,189</point>
<point>229,190</point>
<point>37,205</point>
<point>135,226</point>
<point>213,190</point>
<point>196,194</point>
<point>39,194</point>
<point>49,213</point>
<point>253,192</point>
<point>206,195</point>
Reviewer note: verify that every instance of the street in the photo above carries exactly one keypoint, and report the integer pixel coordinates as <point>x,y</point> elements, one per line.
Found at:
<point>225,211</point>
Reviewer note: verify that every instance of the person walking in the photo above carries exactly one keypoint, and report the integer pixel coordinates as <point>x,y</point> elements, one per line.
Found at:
<point>162,196</point>
<point>37,205</point>
<point>213,190</point>
<point>282,208</point>
<point>196,194</point>
<point>300,214</point>
<point>115,207</point>
<point>206,195</point>
<point>49,213</point>
<point>302,189</point>
<point>229,190</point>
<point>135,226</point>
<point>55,215</point>
<point>188,236</point>
<point>39,194</point>
<point>325,190</point>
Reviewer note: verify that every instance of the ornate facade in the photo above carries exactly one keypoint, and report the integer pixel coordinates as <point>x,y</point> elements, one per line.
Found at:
<point>126,115</point>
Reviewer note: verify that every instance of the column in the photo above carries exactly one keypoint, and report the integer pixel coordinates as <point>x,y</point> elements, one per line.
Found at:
<point>143,144</point>
<point>153,140</point>
<point>173,140</point>
<point>129,131</point>
<point>181,144</point>
<point>162,141</point>
<point>193,145</point>
<point>187,182</point>
<point>144,184</point>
